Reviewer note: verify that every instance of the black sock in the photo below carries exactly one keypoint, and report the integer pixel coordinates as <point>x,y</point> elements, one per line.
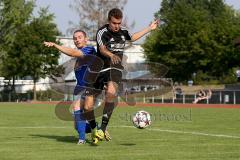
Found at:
<point>107,112</point>
<point>105,120</point>
<point>92,123</point>
<point>89,115</point>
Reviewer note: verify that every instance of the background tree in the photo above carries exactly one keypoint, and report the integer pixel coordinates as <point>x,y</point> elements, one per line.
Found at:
<point>195,37</point>
<point>93,14</point>
<point>14,14</point>
<point>22,36</point>
<point>36,60</point>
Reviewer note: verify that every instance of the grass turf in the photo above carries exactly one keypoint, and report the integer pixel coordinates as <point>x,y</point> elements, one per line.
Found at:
<point>32,131</point>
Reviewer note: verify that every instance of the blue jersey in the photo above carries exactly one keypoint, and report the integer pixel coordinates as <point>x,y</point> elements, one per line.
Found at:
<point>80,70</point>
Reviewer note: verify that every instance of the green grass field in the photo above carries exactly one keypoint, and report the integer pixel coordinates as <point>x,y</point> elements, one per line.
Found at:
<point>33,132</point>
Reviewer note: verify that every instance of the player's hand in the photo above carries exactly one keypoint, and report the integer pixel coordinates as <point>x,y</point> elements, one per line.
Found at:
<point>49,44</point>
<point>115,59</point>
<point>154,24</point>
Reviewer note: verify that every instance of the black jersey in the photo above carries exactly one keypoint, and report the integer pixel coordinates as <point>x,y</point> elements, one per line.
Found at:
<point>114,42</point>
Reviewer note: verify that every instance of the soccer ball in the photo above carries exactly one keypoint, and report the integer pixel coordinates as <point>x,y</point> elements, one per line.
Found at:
<point>141,119</point>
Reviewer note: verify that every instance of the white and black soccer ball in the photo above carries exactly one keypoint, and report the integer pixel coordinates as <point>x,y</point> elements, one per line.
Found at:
<point>141,119</point>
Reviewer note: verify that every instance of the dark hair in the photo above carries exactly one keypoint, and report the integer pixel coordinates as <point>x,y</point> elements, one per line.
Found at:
<point>79,30</point>
<point>116,13</point>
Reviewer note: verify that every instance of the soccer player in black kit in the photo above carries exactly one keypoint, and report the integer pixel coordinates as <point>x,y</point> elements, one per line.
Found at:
<point>111,39</point>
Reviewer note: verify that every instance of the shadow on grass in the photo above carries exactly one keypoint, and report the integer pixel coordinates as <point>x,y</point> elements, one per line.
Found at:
<point>66,139</point>
<point>71,139</point>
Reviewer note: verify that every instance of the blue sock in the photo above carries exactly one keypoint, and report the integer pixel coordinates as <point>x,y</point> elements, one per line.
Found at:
<point>80,124</point>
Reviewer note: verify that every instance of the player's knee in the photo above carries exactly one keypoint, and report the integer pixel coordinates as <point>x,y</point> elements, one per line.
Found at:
<point>88,108</point>
<point>110,95</point>
<point>76,107</point>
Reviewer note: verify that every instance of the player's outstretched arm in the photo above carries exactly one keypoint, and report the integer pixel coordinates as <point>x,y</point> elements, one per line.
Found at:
<point>66,50</point>
<point>141,33</point>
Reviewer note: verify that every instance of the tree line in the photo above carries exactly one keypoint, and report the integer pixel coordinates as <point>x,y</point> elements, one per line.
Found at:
<point>196,41</point>
<point>21,37</point>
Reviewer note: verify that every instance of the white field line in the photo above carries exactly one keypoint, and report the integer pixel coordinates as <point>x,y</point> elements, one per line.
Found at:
<point>187,132</point>
<point>150,129</point>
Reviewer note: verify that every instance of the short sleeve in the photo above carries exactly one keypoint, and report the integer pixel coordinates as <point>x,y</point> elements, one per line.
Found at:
<point>125,32</point>
<point>127,35</point>
<point>88,50</point>
<point>102,38</point>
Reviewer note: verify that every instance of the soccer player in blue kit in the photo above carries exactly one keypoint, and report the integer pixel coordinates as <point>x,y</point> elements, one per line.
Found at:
<point>87,101</point>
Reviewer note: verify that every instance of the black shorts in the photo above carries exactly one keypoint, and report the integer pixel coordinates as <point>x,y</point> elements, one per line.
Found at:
<point>86,90</point>
<point>104,77</point>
